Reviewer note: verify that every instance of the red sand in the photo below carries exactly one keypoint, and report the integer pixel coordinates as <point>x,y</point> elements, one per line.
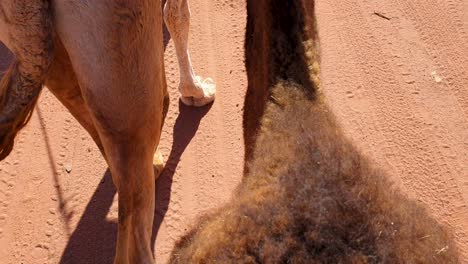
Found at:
<point>398,86</point>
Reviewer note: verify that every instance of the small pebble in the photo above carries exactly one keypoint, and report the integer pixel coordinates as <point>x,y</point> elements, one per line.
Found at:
<point>68,167</point>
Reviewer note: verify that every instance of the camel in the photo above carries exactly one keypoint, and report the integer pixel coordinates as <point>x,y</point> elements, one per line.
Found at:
<point>104,61</point>
<point>308,195</point>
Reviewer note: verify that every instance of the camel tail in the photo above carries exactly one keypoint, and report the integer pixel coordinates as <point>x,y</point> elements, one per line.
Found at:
<point>31,35</point>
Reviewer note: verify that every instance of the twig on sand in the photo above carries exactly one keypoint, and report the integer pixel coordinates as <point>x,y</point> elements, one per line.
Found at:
<point>380,15</point>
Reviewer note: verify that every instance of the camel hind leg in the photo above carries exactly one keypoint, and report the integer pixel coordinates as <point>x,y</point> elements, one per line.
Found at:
<point>62,82</point>
<point>194,90</point>
<point>121,77</point>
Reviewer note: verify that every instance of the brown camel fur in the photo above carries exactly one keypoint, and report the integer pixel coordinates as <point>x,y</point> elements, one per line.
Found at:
<point>309,196</point>
<point>104,61</point>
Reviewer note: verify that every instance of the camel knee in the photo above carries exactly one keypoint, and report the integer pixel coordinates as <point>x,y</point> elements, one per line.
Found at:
<point>130,162</point>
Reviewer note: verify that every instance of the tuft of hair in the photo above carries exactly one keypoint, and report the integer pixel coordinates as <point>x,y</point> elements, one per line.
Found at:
<point>30,28</point>
<point>309,195</point>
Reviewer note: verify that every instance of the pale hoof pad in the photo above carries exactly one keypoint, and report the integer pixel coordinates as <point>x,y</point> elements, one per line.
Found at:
<point>209,90</point>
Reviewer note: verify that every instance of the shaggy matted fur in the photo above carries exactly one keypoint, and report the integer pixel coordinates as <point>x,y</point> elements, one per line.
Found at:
<point>309,195</point>
<point>30,38</point>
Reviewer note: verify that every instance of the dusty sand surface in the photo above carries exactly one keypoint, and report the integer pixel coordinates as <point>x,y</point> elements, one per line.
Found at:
<point>398,85</point>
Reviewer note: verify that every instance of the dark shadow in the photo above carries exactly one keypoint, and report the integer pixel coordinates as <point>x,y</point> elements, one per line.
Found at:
<point>185,127</point>
<point>93,240</point>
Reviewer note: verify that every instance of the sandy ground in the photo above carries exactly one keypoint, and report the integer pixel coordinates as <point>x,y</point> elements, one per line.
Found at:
<point>398,85</point>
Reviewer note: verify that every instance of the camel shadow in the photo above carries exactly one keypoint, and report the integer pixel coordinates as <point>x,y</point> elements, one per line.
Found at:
<point>93,240</point>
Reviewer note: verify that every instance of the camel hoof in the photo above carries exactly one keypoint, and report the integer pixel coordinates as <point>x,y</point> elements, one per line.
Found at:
<point>209,90</point>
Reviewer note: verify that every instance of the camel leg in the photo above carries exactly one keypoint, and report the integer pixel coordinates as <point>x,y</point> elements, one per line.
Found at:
<point>62,82</point>
<point>130,151</point>
<point>117,56</point>
<point>194,90</point>
<point>129,136</point>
